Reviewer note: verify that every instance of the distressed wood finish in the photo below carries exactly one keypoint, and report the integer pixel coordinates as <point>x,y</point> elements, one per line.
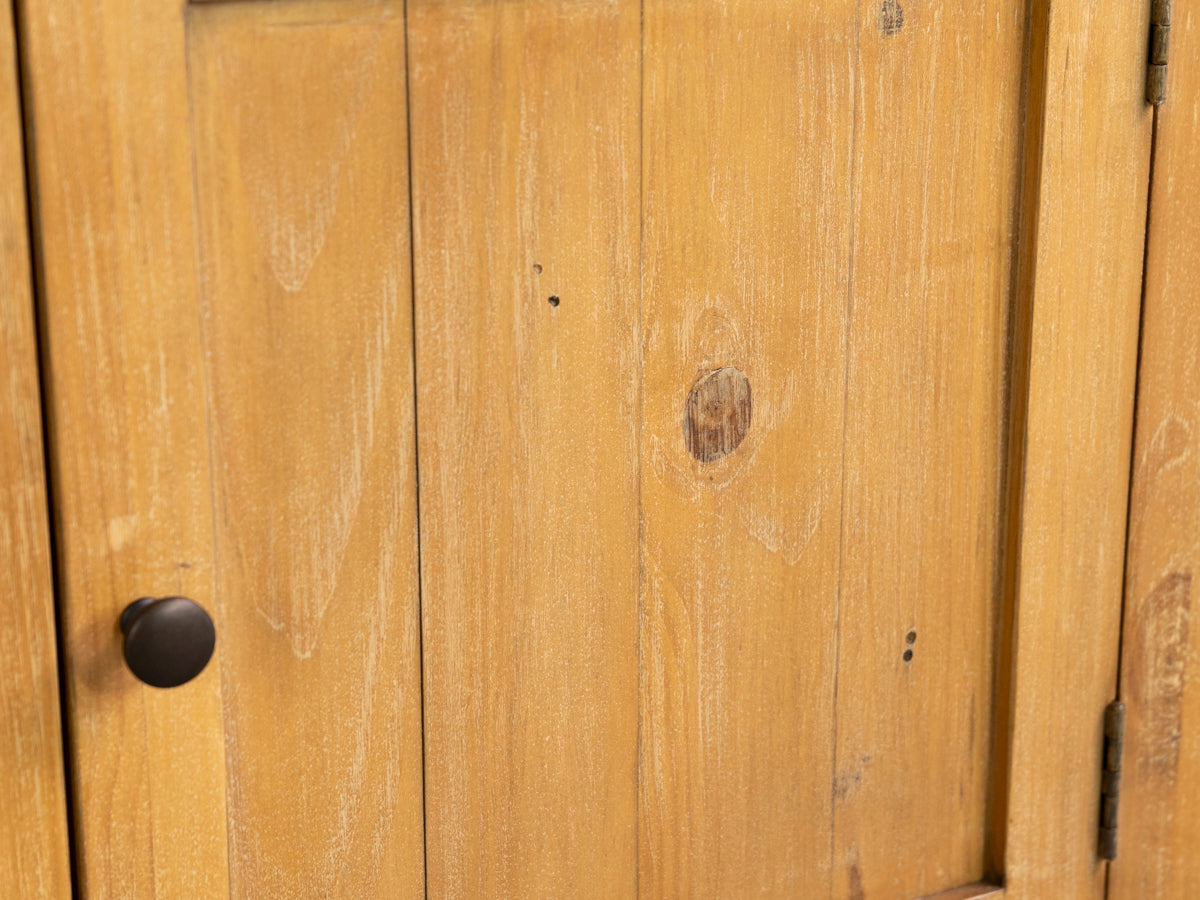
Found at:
<point>747,127</point>
<point>1160,665</point>
<point>306,303</point>
<point>1079,284</point>
<point>33,835</point>
<point>287,368</point>
<point>936,173</point>
<point>127,428</point>
<point>525,187</point>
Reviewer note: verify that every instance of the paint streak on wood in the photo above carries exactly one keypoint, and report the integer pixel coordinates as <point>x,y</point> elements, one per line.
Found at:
<point>718,414</point>
<point>1158,651</point>
<point>1079,274</point>
<point>33,838</point>
<point>1160,665</point>
<point>747,130</point>
<point>525,186</point>
<point>302,186</point>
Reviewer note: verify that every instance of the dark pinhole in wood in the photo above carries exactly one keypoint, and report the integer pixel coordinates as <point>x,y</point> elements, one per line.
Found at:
<point>891,17</point>
<point>907,655</point>
<point>911,637</point>
<point>554,301</point>
<point>717,415</point>
<point>537,268</point>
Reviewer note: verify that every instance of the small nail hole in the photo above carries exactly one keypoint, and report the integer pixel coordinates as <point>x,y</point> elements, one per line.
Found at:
<point>554,301</point>
<point>907,655</point>
<point>911,637</point>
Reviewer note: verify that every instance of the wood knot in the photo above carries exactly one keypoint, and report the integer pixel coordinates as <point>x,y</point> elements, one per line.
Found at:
<point>717,415</point>
<point>891,17</point>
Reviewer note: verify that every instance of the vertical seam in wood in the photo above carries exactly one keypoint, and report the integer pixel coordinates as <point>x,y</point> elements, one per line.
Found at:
<point>1137,383</point>
<point>197,250</point>
<point>416,445</point>
<point>1016,424</point>
<point>1133,438</point>
<point>837,604</point>
<point>639,425</point>
<point>41,330</point>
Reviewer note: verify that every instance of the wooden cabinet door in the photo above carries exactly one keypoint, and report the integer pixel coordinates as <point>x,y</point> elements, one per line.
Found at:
<point>758,374</point>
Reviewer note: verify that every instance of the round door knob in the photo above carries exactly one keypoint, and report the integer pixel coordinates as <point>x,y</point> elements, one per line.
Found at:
<point>168,640</point>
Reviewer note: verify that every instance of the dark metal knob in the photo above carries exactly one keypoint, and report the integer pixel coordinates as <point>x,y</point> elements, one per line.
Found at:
<point>168,640</point>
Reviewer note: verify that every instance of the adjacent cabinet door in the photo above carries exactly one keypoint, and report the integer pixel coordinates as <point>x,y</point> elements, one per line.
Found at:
<point>627,447</point>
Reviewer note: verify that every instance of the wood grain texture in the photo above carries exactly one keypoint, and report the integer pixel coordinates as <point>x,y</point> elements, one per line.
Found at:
<point>936,170</point>
<point>300,122</point>
<point>127,424</point>
<point>1079,285</point>
<point>977,891</point>
<point>746,213</point>
<point>1160,666</point>
<point>33,836</point>
<point>525,186</point>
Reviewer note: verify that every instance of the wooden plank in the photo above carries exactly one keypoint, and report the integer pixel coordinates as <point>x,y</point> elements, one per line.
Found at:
<point>525,187</point>
<point>977,891</point>
<point>936,175</point>
<point>109,105</point>
<point>746,212</point>
<point>33,838</point>
<point>1160,664</point>
<point>306,303</point>
<point>1079,284</point>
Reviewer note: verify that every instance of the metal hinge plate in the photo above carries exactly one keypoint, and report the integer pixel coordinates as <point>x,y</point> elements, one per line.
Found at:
<point>1160,33</point>
<point>1110,784</point>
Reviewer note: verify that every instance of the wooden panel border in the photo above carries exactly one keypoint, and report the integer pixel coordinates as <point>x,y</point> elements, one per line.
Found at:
<point>34,859</point>
<point>111,172</point>
<point>1079,273</point>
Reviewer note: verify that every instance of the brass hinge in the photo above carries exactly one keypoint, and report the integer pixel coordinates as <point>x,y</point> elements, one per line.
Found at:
<point>1110,784</point>
<point>1160,33</point>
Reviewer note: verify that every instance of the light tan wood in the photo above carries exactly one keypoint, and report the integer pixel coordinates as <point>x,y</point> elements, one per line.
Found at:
<point>936,172</point>
<point>34,859</point>
<point>747,128</point>
<point>1079,283</point>
<point>240,433</point>
<point>525,186</point>
<point>970,892</point>
<point>300,130</point>
<point>1157,853</point>
<point>113,181</point>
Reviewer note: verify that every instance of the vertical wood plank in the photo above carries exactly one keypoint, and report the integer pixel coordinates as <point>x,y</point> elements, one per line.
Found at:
<point>747,121</point>
<point>1079,286</point>
<point>300,121</point>
<point>113,179</point>
<point>1160,666</point>
<point>525,150</point>
<point>936,174</point>
<point>33,836</point>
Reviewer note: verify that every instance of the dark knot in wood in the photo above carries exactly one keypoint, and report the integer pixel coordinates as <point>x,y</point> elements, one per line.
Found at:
<point>717,415</point>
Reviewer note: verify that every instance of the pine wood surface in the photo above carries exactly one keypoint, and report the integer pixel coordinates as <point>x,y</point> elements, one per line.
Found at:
<point>113,185</point>
<point>936,167</point>
<point>305,306</point>
<point>525,187</point>
<point>292,764</point>
<point>746,128</point>
<point>1160,657</point>
<point>773,375</point>
<point>1078,289</point>
<point>33,833</point>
